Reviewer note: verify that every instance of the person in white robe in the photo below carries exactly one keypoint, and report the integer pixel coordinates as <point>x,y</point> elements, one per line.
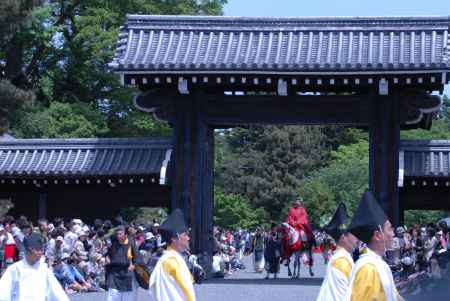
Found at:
<point>171,278</point>
<point>30,279</point>
<point>336,281</point>
<point>371,277</point>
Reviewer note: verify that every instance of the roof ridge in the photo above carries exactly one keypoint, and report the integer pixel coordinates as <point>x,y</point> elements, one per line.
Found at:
<point>392,17</point>
<point>232,20</point>
<point>93,142</point>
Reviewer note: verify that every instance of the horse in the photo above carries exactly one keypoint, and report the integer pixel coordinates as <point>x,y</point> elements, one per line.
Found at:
<point>295,242</point>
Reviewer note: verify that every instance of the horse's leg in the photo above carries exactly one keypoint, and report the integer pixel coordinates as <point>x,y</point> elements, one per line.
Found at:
<point>296,265</point>
<point>288,263</point>
<point>310,262</point>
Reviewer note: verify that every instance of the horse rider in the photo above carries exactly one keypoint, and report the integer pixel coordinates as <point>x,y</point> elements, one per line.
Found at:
<point>298,218</point>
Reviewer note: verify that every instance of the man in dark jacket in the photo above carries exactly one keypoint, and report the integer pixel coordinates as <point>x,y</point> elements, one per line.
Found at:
<point>121,257</point>
<point>272,253</point>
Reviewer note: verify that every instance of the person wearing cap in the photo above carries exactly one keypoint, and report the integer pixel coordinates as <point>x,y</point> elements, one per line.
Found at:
<point>71,236</point>
<point>54,249</point>
<point>30,278</point>
<point>339,267</point>
<point>171,278</point>
<point>81,246</point>
<point>371,277</point>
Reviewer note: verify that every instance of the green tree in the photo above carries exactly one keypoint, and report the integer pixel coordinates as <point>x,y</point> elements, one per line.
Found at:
<point>266,164</point>
<point>233,211</point>
<point>439,130</point>
<point>423,217</point>
<point>60,50</point>
<point>343,180</point>
<point>11,98</point>
<point>144,215</point>
<point>60,120</point>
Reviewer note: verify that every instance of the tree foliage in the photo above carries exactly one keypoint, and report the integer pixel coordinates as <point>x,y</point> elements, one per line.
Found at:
<point>59,49</point>
<point>266,164</point>
<point>343,180</point>
<point>60,120</point>
<point>143,215</point>
<point>423,217</point>
<point>232,211</point>
<point>11,99</point>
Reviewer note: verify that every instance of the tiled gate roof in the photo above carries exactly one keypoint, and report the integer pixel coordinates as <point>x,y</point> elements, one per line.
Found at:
<point>239,44</point>
<point>83,157</point>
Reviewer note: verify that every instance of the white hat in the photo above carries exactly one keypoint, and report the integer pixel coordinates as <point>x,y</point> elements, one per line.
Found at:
<point>149,235</point>
<point>59,238</point>
<point>77,221</point>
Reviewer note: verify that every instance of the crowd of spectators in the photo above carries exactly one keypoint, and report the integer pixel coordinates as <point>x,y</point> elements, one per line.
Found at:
<point>75,251</point>
<point>228,251</point>
<point>422,251</point>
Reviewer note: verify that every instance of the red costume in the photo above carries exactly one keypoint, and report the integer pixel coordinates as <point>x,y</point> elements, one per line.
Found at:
<point>298,218</point>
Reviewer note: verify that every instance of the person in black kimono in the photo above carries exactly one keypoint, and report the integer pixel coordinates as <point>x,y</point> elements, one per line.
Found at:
<point>272,253</point>
<point>121,257</point>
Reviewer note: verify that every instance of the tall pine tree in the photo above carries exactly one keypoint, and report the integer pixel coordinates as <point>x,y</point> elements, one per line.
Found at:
<point>267,163</point>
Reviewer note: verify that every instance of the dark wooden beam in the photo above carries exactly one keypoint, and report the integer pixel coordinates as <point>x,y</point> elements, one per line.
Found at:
<point>222,110</point>
<point>192,180</point>
<point>88,201</point>
<point>384,140</point>
<point>425,198</point>
<point>336,109</point>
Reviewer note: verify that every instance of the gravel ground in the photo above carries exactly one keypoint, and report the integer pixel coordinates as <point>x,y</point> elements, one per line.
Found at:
<point>247,285</point>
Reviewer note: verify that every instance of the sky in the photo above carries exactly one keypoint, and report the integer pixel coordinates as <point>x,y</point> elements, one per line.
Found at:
<point>296,8</point>
<point>292,8</point>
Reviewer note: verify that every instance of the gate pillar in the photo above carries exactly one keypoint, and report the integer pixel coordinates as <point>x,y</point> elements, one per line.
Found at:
<point>193,168</point>
<point>384,139</point>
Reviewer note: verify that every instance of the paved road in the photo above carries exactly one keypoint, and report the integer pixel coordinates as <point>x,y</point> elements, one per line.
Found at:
<point>247,285</point>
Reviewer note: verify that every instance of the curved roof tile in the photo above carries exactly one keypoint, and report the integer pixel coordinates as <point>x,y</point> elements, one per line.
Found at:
<point>198,44</point>
<point>82,157</point>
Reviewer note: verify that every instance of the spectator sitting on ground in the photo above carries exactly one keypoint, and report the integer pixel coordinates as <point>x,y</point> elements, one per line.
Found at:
<point>218,265</point>
<point>55,250</point>
<point>71,237</point>
<point>80,250</point>
<point>72,276</point>
<point>95,271</point>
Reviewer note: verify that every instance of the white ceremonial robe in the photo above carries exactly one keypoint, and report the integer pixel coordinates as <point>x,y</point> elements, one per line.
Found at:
<point>336,280</point>
<point>163,286</point>
<point>384,273</point>
<point>24,282</point>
